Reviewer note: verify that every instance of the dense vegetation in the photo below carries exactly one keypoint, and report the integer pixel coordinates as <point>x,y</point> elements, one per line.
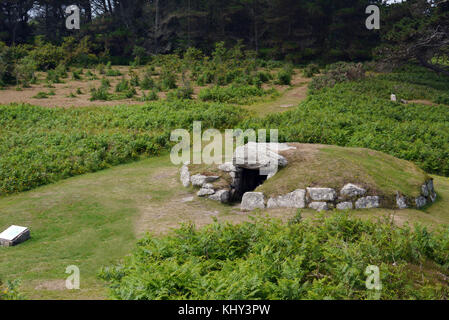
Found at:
<point>322,259</point>
<point>40,145</point>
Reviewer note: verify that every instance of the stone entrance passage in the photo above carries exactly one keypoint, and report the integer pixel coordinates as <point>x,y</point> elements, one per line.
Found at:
<point>246,180</point>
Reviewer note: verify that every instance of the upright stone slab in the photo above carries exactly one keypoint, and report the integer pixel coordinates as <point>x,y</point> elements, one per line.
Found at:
<point>221,195</point>
<point>322,194</point>
<point>252,200</point>
<point>319,206</point>
<point>295,199</point>
<point>401,201</point>
<point>185,175</point>
<point>420,202</point>
<point>425,190</point>
<point>345,205</point>
<point>367,202</point>
<point>14,235</point>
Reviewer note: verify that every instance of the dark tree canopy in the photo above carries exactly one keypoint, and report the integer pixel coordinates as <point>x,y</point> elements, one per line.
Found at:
<point>332,30</point>
<point>325,30</point>
<point>418,30</point>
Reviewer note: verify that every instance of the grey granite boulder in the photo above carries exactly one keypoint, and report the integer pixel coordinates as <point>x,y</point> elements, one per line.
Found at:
<point>433,197</point>
<point>420,202</point>
<point>322,194</point>
<point>205,192</point>
<point>432,193</point>
<point>295,199</point>
<point>345,205</point>
<point>367,202</point>
<point>401,201</point>
<point>185,175</point>
<point>351,190</point>
<point>425,190</point>
<point>319,206</point>
<point>252,200</point>
<point>198,180</point>
<point>221,195</point>
<point>227,167</point>
<point>430,186</point>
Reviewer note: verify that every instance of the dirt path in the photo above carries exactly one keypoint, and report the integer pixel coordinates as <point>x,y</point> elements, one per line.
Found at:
<point>290,97</point>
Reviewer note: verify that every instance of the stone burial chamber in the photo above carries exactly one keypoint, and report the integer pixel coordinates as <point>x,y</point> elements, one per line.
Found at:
<point>255,163</point>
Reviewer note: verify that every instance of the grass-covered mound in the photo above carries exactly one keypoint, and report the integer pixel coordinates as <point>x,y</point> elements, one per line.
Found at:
<point>41,145</point>
<point>311,165</point>
<point>305,259</point>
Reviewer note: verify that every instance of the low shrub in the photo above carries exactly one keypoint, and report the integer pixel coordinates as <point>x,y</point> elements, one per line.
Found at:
<point>337,73</point>
<point>53,77</point>
<point>185,92</point>
<point>147,82</point>
<point>41,95</point>
<point>122,86</point>
<point>284,77</point>
<point>233,94</point>
<point>99,94</point>
<point>152,96</point>
<point>168,80</point>
<point>442,99</point>
<point>311,70</point>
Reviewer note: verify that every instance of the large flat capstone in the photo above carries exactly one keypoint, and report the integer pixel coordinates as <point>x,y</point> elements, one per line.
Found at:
<point>261,156</point>
<point>322,194</point>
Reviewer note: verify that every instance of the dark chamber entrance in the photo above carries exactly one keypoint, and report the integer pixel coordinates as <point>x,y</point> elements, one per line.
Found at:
<point>246,180</point>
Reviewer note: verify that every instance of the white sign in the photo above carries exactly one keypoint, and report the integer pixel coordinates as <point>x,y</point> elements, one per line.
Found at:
<point>12,232</point>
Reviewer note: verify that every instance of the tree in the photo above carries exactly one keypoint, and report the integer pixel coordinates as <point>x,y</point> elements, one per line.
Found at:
<point>419,32</point>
